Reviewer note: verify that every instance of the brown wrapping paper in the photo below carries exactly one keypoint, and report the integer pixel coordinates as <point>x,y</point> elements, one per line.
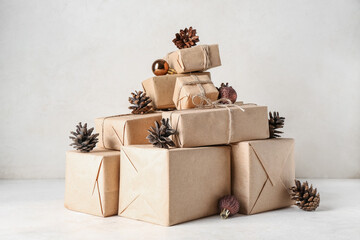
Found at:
<point>92,182</point>
<point>262,173</point>
<point>167,187</point>
<point>204,127</point>
<point>194,59</point>
<point>127,129</point>
<point>189,86</point>
<point>161,89</point>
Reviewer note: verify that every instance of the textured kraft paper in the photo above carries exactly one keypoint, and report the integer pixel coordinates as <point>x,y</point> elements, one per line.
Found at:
<point>262,173</point>
<point>204,127</point>
<point>127,129</point>
<point>161,89</point>
<point>92,182</point>
<point>194,59</point>
<point>167,187</point>
<point>185,89</point>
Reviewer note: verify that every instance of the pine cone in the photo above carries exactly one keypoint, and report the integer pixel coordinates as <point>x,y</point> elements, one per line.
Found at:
<point>228,206</point>
<point>306,198</point>
<point>159,136</point>
<point>186,38</point>
<point>275,122</point>
<point>140,103</point>
<point>83,138</point>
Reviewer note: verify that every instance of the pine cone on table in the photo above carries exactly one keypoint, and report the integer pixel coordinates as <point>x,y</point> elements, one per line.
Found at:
<point>306,197</point>
<point>159,136</point>
<point>186,38</point>
<point>275,122</point>
<point>83,138</point>
<point>140,103</point>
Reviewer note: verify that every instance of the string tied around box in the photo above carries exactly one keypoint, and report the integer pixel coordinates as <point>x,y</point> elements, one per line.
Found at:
<point>196,81</point>
<point>206,53</point>
<point>206,57</point>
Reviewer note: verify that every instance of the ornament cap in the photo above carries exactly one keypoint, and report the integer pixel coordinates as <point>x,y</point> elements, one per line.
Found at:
<point>224,213</point>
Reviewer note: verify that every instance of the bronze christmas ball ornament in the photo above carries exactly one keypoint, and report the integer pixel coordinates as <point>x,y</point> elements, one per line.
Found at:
<point>226,91</point>
<point>160,67</point>
<point>228,206</point>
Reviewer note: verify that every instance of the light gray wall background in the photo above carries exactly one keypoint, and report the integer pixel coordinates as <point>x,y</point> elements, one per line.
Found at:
<point>62,62</point>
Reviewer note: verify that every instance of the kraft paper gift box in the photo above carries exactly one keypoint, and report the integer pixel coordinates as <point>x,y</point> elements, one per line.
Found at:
<point>188,87</point>
<point>92,182</point>
<point>204,127</point>
<point>199,58</point>
<point>122,130</point>
<point>262,173</point>
<point>167,187</point>
<point>161,89</point>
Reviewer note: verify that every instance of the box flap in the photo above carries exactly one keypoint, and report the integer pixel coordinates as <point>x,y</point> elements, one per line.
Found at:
<point>273,156</point>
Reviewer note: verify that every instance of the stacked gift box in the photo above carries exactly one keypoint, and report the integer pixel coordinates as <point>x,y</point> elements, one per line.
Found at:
<point>215,147</point>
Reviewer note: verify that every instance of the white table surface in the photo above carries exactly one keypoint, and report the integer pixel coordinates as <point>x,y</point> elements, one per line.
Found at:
<point>33,209</point>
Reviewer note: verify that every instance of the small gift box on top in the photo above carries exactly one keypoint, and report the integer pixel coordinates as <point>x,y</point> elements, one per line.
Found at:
<point>189,90</point>
<point>161,89</point>
<point>198,58</point>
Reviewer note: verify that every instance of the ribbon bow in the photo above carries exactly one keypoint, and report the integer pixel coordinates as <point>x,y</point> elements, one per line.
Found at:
<point>207,103</point>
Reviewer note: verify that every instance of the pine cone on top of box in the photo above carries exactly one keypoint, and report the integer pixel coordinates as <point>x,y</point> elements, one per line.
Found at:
<point>306,197</point>
<point>275,122</point>
<point>159,136</point>
<point>186,38</point>
<point>140,103</point>
<point>83,138</point>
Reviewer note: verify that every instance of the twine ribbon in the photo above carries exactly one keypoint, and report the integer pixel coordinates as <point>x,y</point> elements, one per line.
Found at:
<point>220,103</point>
<point>206,52</point>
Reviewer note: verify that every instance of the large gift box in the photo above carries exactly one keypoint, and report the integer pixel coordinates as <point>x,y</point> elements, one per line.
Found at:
<point>167,187</point>
<point>193,59</point>
<point>122,130</point>
<point>92,182</point>
<point>223,125</point>
<point>262,173</point>
<point>161,89</point>
<point>187,88</point>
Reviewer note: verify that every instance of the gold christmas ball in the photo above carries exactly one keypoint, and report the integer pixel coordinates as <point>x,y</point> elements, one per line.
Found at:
<point>160,67</point>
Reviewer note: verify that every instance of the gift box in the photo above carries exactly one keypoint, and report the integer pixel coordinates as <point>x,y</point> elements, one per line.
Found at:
<point>122,130</point>
<point>161,89</point>
<point>222,125</point>
<point>188,87</point>
<point>92,182</point>
<point>199,58</point>
<point>262,173</point>
<point>170,186</point>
